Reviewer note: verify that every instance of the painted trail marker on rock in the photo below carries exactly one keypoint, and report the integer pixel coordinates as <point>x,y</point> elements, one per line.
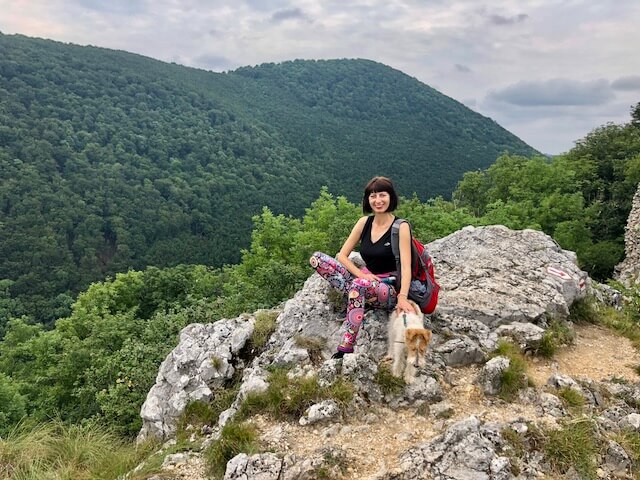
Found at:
<point>558,273</point>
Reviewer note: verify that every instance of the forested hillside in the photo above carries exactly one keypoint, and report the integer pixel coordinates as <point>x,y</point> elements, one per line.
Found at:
<point>111,161</point>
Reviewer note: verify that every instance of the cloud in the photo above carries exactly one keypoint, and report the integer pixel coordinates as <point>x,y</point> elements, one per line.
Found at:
<point>632,82</point>
<point>462,68</point>
<point>554,92</point>
<point>501,20</point>
<point>118,7</point>
<point>288,14</point>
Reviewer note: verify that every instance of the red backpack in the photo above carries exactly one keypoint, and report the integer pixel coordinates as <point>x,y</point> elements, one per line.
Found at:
<point>424,289</point>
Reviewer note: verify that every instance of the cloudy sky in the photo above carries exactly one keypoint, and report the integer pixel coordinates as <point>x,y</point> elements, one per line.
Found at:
<point>549,71</point>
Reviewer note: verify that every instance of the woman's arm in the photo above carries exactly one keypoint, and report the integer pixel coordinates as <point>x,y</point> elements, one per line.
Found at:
<point>349,244</point>
<point>405,269</point>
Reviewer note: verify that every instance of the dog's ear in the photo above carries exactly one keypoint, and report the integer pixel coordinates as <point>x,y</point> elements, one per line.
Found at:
<point>414,335</point>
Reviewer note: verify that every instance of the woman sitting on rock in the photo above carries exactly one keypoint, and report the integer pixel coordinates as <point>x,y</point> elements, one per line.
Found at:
<point>372,285</point>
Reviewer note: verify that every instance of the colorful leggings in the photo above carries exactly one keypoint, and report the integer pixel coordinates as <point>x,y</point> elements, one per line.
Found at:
<point>359,292</point>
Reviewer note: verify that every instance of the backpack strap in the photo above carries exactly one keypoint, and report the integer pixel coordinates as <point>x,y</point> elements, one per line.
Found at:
<point>395,242</point>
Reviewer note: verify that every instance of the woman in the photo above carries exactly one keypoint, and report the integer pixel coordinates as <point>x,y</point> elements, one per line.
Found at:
<point>367,286</point>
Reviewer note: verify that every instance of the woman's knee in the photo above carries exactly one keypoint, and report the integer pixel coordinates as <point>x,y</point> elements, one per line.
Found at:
<point>316,259</point>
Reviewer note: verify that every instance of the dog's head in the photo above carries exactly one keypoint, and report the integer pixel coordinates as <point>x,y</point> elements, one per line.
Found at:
<point>417,340</point>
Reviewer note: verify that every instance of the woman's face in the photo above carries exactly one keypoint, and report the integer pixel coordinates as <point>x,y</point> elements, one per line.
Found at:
<point>379,201</point>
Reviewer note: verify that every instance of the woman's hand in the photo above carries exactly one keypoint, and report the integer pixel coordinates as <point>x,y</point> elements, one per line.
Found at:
<point>369,276</point>
<point>403,305</point>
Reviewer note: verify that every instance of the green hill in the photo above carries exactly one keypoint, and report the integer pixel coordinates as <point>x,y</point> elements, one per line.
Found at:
<point>111,161</point>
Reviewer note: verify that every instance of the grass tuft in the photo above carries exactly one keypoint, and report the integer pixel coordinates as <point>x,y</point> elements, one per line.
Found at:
<point>573,445</point>
<point>333,461</point>
<point>264,326</point>
<point>555,336</point>
<point>514,378</point>
<point>312,345</point>
<point>584,310</point>
<point>389,384</point>
<point>287,398</point>
<point>235,438</point>
<point>337,300</point>
<point>571,397</point>
<point>56,450</point>
<point>630,441</point>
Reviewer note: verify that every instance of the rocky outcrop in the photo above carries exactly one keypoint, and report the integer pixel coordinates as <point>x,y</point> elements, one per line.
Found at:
<point>628,272</point>
<point>205,358</point>
<point>496,282</point>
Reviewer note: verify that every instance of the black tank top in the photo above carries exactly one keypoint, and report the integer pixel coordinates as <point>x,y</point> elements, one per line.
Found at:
<point>378,256</point>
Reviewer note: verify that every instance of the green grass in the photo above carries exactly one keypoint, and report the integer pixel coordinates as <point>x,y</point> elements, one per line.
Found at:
<point>287,398</point>
<point>584,310</point>
<point>573,445</point>
<point>389,384</point>
<point>235,438</point>
<point>58,451</point>
<point>515,377</point>
<point>630,441</point>
<point>556,335</point>
<point>264,326</point>
<point>571,398</point>
<point>201,413</point>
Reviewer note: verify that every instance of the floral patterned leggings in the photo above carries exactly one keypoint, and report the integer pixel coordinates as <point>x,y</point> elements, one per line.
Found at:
<point>359,292</point>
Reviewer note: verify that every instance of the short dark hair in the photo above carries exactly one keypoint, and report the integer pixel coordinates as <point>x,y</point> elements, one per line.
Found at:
<point>379,184</point>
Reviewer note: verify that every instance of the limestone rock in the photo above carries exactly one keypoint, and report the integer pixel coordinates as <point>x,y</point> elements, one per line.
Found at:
<point>489,378</point>
<point>628,272</point>
<point>496,275</point>
<point>203,359</point>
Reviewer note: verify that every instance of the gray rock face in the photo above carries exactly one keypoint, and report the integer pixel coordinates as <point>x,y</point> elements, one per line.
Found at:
<point>628,272</point>
<point>496,275</point>
<point>204,359</point>
<point>526,335</point>
<point>467,450</point>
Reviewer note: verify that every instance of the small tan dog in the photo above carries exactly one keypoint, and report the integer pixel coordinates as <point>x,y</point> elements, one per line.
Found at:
<point>408,341</point>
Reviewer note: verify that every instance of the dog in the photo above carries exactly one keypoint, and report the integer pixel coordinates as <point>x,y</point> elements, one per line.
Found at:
<point>408,341</point>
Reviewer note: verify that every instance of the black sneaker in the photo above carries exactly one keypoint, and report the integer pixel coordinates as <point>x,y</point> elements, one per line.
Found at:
<point>338,355</point>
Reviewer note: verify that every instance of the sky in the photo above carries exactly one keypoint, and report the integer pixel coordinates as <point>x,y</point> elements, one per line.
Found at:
<point>549,71</point>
